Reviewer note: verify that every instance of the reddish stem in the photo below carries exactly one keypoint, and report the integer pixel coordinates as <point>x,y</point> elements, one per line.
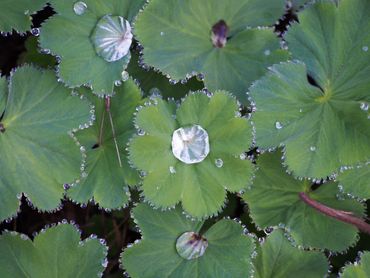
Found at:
<point>344,216</point>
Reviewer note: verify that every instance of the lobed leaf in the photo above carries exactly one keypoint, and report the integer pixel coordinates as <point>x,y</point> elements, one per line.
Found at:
<point>277,258</point>
<point>274,199</point>
<point>228,253</point>
<point>37,154</point>
<point>358,270</point>
<point>55,252</point>
<point>176,36</point>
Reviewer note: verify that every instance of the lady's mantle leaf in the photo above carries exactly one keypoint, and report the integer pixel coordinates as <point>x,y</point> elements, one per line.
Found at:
<point>16,15</point>
<point>320,132</point>
<point>56,252</point>
<point>228,253</point>
<point>69,34</point>
<point>356,181</point>
<point>103,179</point>
<point>37,154</point>
<point>277,258</point>
<point>327,127</point>
<point>200,186</point>
<point>359,270</point>
<point>177,39</point>
<point>273,200</point>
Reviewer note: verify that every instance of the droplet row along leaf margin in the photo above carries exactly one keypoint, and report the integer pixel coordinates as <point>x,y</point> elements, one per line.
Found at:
<point>37,154</point>
<point>201,187</point>
<point>176,36</point>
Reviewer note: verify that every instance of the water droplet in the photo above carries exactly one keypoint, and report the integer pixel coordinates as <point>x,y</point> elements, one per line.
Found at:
<point>364,106</point>
<point>140,132</point>
<point>143,174</point>
<point>365,48</point>
<point>162,33</point>
<point>155,93</point>
<point>300,110</point>
<point>82,149</point>
<point>117,83</point>
<point>35,32</point>
<point>278,125</point>
<point>243,156</point>
<point>79,8</point>
<point>172,170</point>
<point>112,38</point>
<point>200,77</point>
<point>312,148</point>
<point>267,52</point>
<point>219,162</point>
<point>125,76</point>
<point>191,245</point>
<point>190,144</point>
<point>84,175</point>
<point>27,12</point>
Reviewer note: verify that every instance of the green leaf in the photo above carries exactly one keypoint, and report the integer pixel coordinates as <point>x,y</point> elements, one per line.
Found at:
<point>277,258</point>
<point>37,154</point>
<point>33,56</point>
<point>68,36</point>
<point>152,82</point>
<point>55,252</point>
<point>103,179</point>
<point>356,181</point>
<point>228,253</point>
<point>361,270</point>
<point>16,15</point>
<point>320,133</point>
<point>176,36</point>
<point>200,186</point>
<point>3,94</point>
<point>274,199</point>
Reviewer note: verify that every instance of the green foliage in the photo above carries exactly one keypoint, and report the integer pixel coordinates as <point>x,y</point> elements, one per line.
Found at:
<point>55,252</point>
<point>277,258</point>
<point>16,15</point>
<point>201,186</point>
<point>67,35</point>
<point>37,154</point>
<point>356,181</point>
<point>273,199</point>
<point>361,270</point>
<point>103,180</point>
<point>228,253</point>
<point>176,36</point>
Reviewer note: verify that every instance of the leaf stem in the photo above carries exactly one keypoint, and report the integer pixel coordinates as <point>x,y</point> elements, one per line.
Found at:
<point>344,216</point>
<point>101,128</point>
<point>107,108</point>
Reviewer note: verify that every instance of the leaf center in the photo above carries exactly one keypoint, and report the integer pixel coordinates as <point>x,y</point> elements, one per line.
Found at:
<point>2,128</point>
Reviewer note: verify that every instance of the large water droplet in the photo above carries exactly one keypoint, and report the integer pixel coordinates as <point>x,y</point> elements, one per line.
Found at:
<point>191,245</point>
<point>190,144</point>
<point>112,38</point>
<point>79,8</point>
<point>278,125</point>
<point>364,106</point>
<point>219,162</point>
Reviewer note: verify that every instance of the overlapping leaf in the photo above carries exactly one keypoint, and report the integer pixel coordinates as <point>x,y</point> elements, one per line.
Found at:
<point>103,179</point>
<point>228,253</point>
<point>176,36</point>
<point>274,199</point>
<point>277,258</point>
<point>68,35</point>
<point>201,186</point>
<point>322,127</point>
<point>37,154</point>
<point>361,270</point>
<point>56,252</point>
<point>356,181</point>
<point>16,15</point>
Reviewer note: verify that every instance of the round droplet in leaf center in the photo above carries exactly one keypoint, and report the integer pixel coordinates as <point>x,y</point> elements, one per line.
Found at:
<point>112,38</point>
<point>191,245</point>
<point>190,144</point>
<point>219,34</point>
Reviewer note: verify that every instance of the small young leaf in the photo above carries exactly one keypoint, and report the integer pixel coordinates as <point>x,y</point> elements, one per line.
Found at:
<point>177,38</point>
<point>356,181</point>
<point>277,258</point>
<point>71,34</point>
<point>359,270</point>
<point>103,179</point>
<point>195,170</point>
<point>274,199</point>
<point>16,15</point>
<point>56,252</point>
<point>37,154</point>
<point>227,254</point>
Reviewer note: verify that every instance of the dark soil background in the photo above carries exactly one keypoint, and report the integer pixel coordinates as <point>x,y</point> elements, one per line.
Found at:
<point>117,227</point>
